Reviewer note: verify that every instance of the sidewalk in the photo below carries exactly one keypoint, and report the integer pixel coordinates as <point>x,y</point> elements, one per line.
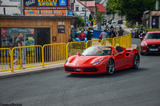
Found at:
<point>8,74</point>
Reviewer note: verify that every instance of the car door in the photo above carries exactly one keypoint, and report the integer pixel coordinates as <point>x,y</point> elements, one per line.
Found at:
<point>120,59</point>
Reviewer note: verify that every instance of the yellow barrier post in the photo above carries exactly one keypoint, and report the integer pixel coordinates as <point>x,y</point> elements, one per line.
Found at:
<point>43,57</point>
<point>12,68</point>
<point>67,50</point>
<point>101,42</point>
<point>86,44</point>
<point>113,42</point>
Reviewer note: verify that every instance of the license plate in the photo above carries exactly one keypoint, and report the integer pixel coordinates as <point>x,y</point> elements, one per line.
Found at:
<point>78,70</point>
<point>153,50</point>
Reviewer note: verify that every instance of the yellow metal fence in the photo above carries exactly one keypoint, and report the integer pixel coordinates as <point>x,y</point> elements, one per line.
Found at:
<point>33,56</point>
<point>54,53</point>
<point>26,57</point>
<point>5,59</point>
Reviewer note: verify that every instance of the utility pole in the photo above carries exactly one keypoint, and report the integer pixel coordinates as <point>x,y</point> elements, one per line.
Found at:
<point>157,5</point>
<point>85,13</point>
<point>21,6</point>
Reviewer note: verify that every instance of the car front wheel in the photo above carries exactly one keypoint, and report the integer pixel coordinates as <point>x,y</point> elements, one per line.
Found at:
<point>110,67</point>
<point>136,62</point>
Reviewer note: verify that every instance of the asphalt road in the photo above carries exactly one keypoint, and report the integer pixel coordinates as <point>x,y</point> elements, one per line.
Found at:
<point>55,88</point>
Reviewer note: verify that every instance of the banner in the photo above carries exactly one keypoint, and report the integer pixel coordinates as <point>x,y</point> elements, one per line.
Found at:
<point>34,4</point>
<point>45,12</point>
<point>47,3</point>
<point>62,2</point>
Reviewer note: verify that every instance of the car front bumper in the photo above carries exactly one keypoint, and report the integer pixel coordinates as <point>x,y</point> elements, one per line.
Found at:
<point>92,69</point>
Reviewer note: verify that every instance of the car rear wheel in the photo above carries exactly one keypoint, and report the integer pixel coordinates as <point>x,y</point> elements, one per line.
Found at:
<point>136,62</point>
<point>142,53</point>
<point>110,67</point>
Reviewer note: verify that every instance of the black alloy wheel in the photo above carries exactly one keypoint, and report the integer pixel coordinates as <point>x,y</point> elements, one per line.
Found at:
<point>110,67</point>
<point>136,61</point>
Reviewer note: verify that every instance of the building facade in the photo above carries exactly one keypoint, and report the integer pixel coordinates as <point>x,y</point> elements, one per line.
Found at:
<point>80,9</point>
<point>10,7</point>
<point>39,24</point>
<point>151,19</point>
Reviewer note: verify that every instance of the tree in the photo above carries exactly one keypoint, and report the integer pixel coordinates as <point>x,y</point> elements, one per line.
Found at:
<point>100,16</point>
<point>79,22</point>
<point>90,17</point>
<point>133,9</point>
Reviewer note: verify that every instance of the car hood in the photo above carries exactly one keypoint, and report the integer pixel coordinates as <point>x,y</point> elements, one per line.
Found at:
<point>84,60</point>
<point>152,41</point>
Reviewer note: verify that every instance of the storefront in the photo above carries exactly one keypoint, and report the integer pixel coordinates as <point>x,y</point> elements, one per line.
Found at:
<point>151,19</point>
<point>37,30</point>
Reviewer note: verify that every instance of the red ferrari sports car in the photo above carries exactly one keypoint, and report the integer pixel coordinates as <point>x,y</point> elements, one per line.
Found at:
<point>151,43</point>
<point>102,59</point>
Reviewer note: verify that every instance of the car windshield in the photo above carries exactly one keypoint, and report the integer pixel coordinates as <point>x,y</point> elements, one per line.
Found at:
<point>98,51</point>
<point>152,36</point>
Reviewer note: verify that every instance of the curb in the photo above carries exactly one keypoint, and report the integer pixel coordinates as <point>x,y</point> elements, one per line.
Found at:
<point>26,72</point>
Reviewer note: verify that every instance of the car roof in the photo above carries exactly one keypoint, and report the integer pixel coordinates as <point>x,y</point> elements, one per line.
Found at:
<point>154,32</point>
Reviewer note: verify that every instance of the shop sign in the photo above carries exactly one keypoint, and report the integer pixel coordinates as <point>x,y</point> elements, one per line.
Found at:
<point>61,28</point>
<point>45,4</point>
<point>61,23</point>
<point>155,13</point>
<point>62,2</point>
<point>29,3</point>
<point>70,13</point>
<point>45,12</point>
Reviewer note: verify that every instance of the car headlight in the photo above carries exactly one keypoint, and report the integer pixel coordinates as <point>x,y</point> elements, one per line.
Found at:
<point>96,62</point>
<point>143,44</point>
<point>67,61</point>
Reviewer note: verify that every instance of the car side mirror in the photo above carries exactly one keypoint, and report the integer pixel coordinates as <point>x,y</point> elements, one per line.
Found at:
<point>78,53</point>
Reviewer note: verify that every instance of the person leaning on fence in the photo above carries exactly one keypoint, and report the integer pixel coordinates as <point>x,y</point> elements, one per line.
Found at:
<point>19,54</point>
<point>103,35</point>
<point>120,32</point>
<point>82,35</point>
<point>20,37</point>
<point>19,51</point>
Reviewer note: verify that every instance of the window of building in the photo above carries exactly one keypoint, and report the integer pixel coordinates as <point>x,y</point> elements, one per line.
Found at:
<point>77,8</point>
<point>83,9</point>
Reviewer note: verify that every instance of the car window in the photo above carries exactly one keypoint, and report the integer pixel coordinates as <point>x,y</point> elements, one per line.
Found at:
<point>152,36</point>
<point>98,51</point>
<point>119,49</point>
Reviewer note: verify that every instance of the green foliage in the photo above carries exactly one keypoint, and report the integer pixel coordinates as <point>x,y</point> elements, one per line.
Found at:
<point>133,9</point>
<point>100,16</point>
<point>90,17</point>
<point>80,22</point>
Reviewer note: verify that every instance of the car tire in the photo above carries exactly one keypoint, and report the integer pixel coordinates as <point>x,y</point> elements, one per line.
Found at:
<point>110,67</point>
<point>136,61</point>
<point>142,53</point>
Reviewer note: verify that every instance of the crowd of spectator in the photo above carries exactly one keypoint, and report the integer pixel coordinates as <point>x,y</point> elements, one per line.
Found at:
<point>83,35</point>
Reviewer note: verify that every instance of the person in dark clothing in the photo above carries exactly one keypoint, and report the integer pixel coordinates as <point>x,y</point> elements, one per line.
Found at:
<point>112,32</point>
<point>89,35</point>
<point>120,32</point>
